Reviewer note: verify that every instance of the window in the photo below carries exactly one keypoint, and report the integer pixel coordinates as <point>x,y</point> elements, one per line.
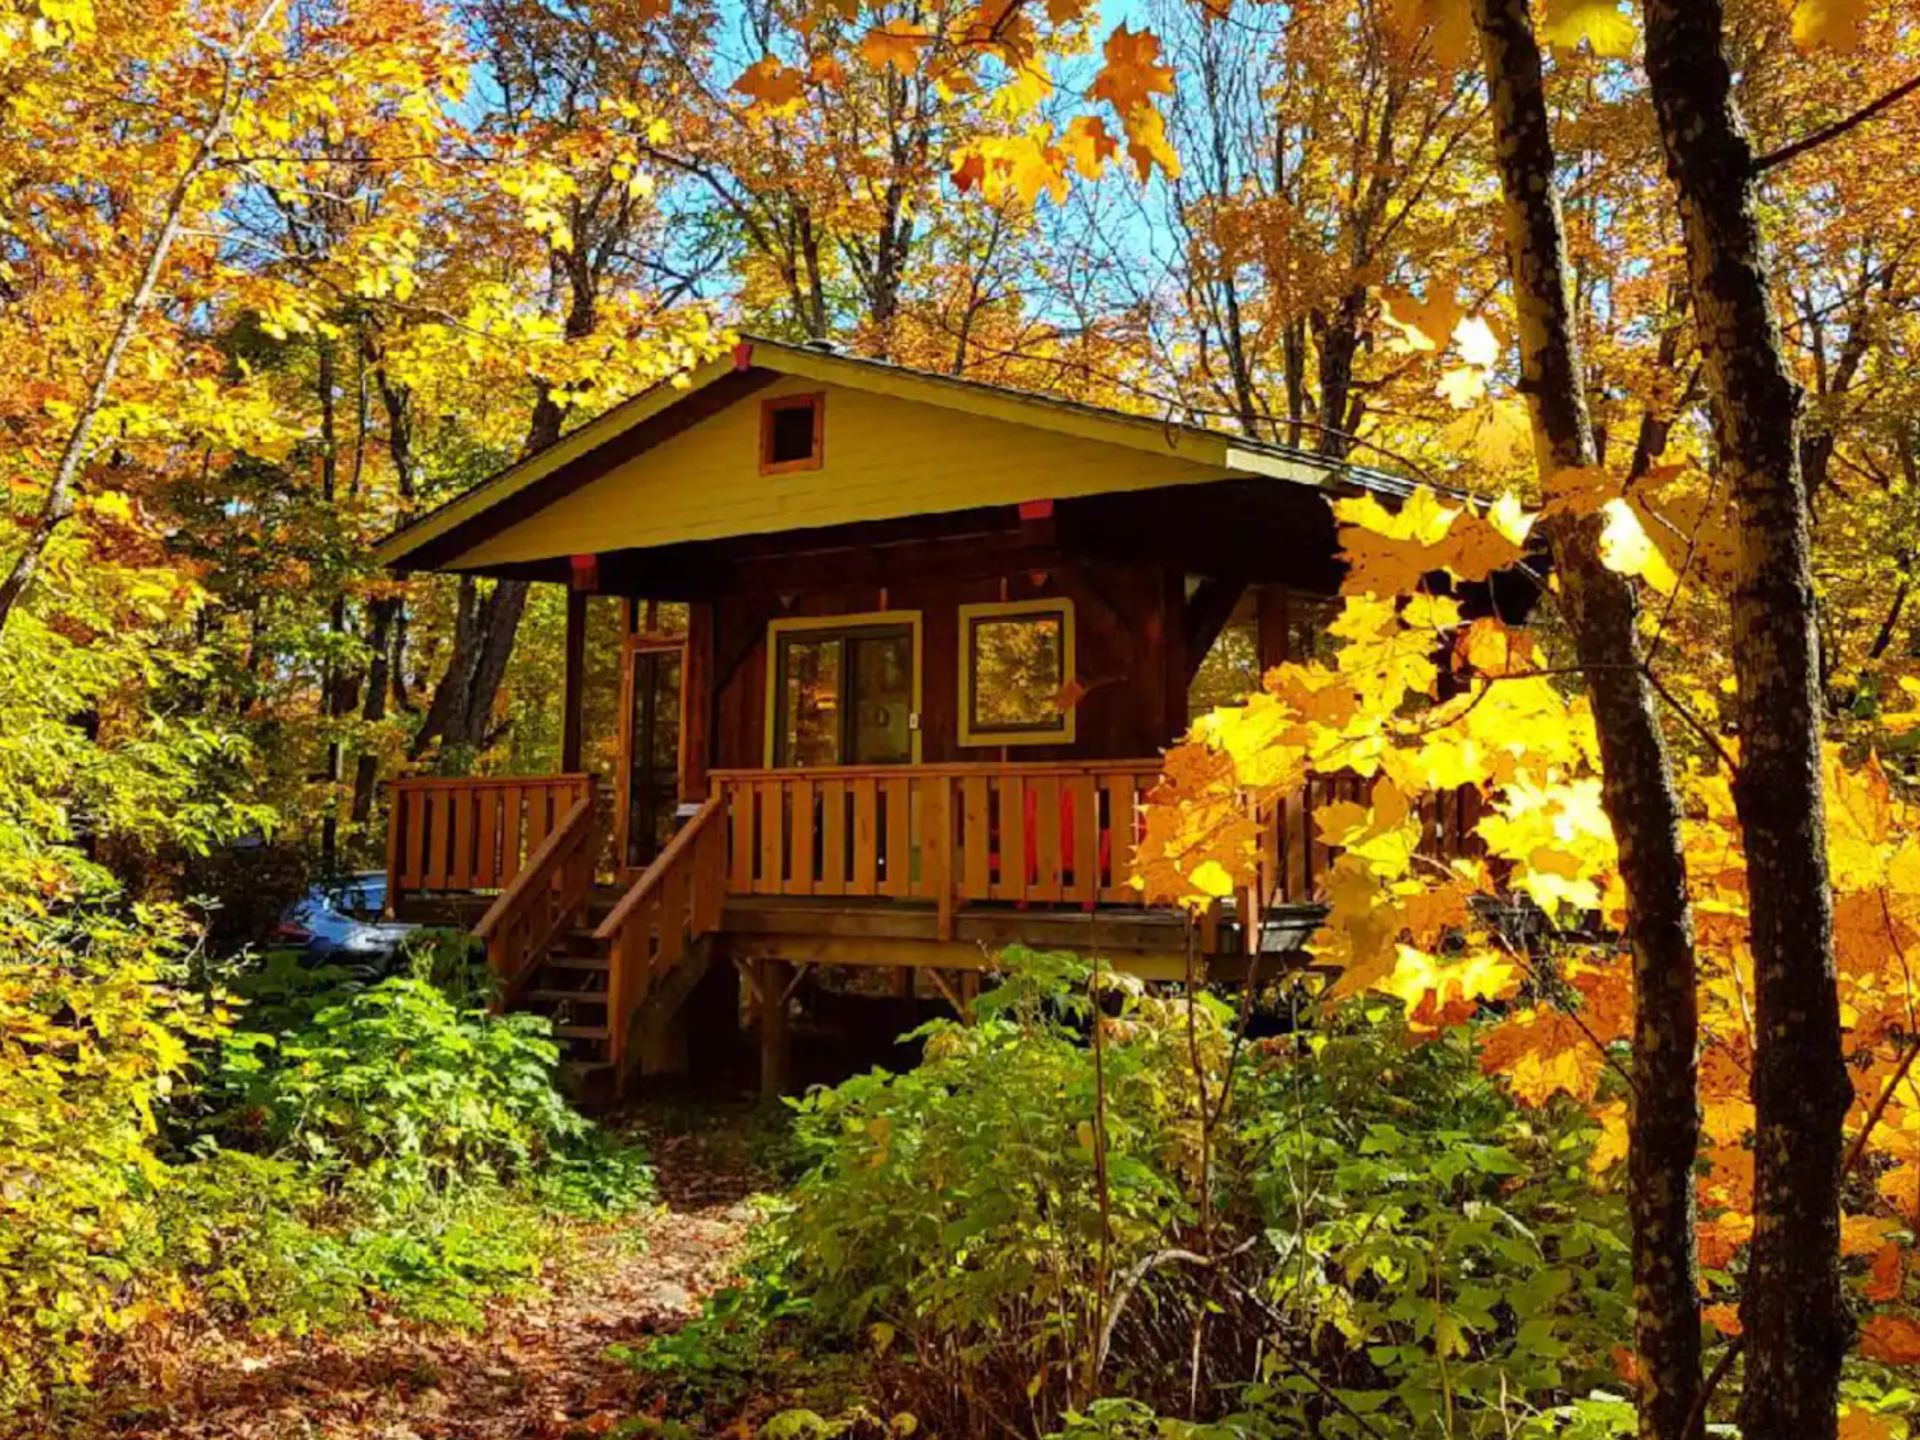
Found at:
<point>1016,665</point>
<point>792,433</point>
<point>843,692</point>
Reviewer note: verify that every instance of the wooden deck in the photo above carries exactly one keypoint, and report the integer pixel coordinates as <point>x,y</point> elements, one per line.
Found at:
<point>930,867</point>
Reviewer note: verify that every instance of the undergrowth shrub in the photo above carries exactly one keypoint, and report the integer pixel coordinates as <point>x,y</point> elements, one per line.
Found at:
<point>396,1078</point>
<point>411,1150</point>
<point>388,1149</point>
<point>1094,1212</point>
<point>91,1047</point>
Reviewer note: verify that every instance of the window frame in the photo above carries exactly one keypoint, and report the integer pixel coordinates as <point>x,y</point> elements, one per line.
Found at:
<point>827,627</point>
<point>977,736</point>
<point>814,400</point>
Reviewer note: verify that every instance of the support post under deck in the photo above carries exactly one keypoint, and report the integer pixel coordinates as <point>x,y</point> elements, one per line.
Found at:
<point>776,1039</point>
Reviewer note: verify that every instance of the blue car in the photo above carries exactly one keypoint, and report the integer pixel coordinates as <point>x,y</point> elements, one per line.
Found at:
<point>341,922</point>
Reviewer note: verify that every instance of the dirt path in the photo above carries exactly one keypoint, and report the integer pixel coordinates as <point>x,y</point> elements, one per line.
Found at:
<point>539,1369</point>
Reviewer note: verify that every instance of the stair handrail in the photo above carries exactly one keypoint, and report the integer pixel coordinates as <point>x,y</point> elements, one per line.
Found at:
<point>651,877</point>
<point>530,914</point>
<point>624,931</point>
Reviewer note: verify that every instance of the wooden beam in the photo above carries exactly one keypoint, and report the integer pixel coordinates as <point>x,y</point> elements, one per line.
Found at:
<point>1272,610</point>
<point>776,1039</point>
<point>574,688</point>
<point>697,693</point>
<point>946,991</point>
<point>1207,611</point>
<point>1170,619</point>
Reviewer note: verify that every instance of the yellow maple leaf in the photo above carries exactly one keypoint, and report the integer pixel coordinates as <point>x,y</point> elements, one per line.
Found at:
<point>1088,146</point>
<point>1461,386</point>
<point>1510,519</point>
<point>1611,1146</point>
<point>1859,821</point>
<point>1489,647</point>
<point>1473,337</point>
<point>1424,324</point>
<point>1212,879</point>
<point>1834,24</point>
<point>1624,547</point>
<point>1499,433</point>
<point>1028,87</point>
<point>1147,143</point>
<point>1603,24</point>
<point>1446,24</point>
<point>1026,164</point>
<point>1578,490</point>
<point>1541,1053</point>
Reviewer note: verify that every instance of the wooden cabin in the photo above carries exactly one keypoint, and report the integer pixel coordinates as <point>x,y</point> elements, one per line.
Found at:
<point>931,638</point>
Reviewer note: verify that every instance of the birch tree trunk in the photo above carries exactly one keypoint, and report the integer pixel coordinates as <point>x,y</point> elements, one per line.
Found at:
<point>1792,1312</point>
<point>1637,786</point>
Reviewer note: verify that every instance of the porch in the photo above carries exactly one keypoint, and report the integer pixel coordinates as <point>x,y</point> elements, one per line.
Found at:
<point>926,870</point>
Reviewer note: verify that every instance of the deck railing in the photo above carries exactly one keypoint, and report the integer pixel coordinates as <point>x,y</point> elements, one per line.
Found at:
<point>1028,834</point>
<point>676,900</point>
<point>951,834</point>
<point>472,834</point>
<point>546,897</point>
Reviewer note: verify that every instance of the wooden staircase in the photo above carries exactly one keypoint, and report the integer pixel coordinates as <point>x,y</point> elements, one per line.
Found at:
<point>613,968</point>
<point>569,986</point>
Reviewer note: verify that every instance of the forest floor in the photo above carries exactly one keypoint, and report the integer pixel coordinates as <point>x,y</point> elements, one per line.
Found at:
<point>538,1371</point>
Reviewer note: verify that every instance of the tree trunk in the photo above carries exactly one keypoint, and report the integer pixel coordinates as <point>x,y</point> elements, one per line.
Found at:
<point>1792,1311</point>
<point>381,615</point>
<point>1637,784</point>
<point>461,712</point>
<point>1339,339</point>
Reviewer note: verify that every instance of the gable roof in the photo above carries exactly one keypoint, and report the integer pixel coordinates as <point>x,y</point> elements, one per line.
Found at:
<point>462,533</point>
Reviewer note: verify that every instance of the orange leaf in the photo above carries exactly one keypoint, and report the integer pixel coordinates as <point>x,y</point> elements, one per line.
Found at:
<point>1887,1275</point>
<point>898,44</point>
<point>770,85</point>
<point>1541,1053</point>
<point>1724,1318</point>
<point>1132,75</point>
<point>1891,1339</point>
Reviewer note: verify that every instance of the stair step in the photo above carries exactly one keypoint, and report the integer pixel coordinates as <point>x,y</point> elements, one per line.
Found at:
<point>576,962</point>
<point>570,997</point>
<point>581,1032</point>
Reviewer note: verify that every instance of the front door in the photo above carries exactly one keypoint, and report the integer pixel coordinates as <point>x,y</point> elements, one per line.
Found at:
<point>843,695</point>
<point>652,748</point>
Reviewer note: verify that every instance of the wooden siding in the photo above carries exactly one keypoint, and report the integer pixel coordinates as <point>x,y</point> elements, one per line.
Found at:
<point>1127,635</point>
<point>886,457</point>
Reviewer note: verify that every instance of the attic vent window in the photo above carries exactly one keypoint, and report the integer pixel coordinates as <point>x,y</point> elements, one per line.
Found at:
<point>792,433</point>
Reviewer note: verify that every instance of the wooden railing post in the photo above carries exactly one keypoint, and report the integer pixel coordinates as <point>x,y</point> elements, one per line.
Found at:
<point>396,809</point>
<point>936,813</point>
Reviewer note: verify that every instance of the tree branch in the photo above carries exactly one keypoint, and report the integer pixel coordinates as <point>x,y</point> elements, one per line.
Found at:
<point>1772,158</point>
<point>60,499</point>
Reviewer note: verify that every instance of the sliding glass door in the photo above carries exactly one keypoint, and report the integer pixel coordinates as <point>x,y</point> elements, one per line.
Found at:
<point>843,695</point>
